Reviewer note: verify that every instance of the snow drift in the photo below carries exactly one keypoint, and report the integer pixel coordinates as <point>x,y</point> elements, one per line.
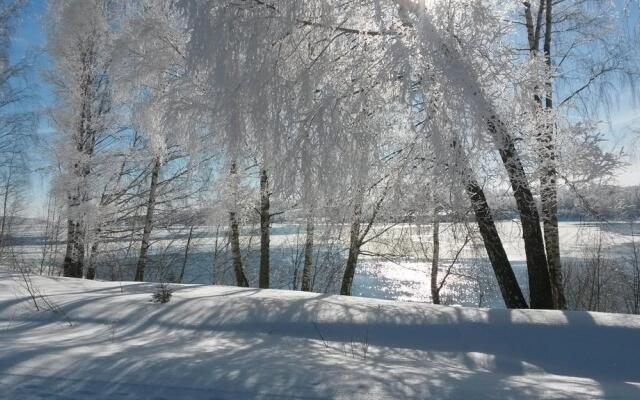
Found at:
<point>106,340</point>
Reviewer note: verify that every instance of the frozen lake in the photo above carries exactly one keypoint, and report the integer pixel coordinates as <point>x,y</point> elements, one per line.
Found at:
<point>394,266</point>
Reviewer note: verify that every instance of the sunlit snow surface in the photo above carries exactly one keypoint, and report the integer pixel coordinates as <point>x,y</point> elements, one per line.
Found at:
<point>107,341</point>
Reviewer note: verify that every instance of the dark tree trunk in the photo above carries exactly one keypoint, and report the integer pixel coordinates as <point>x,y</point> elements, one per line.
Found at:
<point>354,249</point>
<point>552,240</point>
<point>538,272</point>
<point>265,225</point>
<point>5,204</point>
<point>548,186</point>
<point>85,141</point>
<point>511,293</point>
<point>507,282</point>
<point>148,222</point>
<point>91,267</point>
<point>234,236</point>
<point>236,255</point>
<point>307,270</point>
<point>216,253</point>
<point>186,255</point>
<point>435,288</point>
<point>74,257</point>
<point>549,190</point>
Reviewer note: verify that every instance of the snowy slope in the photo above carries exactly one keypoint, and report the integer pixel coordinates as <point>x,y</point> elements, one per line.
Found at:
<point>214,342</point>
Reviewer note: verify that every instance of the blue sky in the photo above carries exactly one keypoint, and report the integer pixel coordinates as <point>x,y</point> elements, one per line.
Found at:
<point>28,41</point>
<point>30,38</point>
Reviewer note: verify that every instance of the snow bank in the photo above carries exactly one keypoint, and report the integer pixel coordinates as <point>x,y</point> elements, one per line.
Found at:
<point>108,341</point>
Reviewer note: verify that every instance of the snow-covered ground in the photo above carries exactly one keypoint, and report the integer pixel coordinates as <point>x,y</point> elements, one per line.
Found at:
<point>108,341</point>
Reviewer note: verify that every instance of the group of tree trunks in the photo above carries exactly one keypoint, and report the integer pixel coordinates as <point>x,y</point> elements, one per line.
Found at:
<point>541,244</point>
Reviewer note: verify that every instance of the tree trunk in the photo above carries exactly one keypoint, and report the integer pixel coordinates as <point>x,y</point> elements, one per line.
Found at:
<point>5,204</point>
<point>435,289</point>
<point>307,270</point>
<point>539,282</point>
<point>186,255</point>
<point>511,293</point>
<point>148,222</point>
<point>73,264</point>
<point>552,236</point>
<point>354,249</point>
<point>265,224</point>
<point>538,272</point>
<point>216,251</point>
<point>85,141</point>
<point>47,235</point>
<point>548,182</point>
<point>53,247</point>
<point>91,267</point>
<point>74,257</point>
<point>548,185</point>
<point>236,255</point>
<point>234,237</point>
<point>507,282</point>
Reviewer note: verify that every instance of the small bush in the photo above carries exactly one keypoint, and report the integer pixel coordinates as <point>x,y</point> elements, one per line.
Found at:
<point>162,294</point>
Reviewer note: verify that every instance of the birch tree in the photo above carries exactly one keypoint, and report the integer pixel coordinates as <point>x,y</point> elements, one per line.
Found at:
<point>148,68</point>
<point>79,40</point>
<point>579,44</point>
<point>311,93</point>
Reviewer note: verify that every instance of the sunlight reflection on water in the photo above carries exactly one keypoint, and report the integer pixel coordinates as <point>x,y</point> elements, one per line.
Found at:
<point>410,281</point>
<point>472,282</point>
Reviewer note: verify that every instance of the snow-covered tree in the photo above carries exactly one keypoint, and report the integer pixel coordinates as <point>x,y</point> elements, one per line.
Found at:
<point>358,114</point>
<point>579,43</point>
<point>79,43</point>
